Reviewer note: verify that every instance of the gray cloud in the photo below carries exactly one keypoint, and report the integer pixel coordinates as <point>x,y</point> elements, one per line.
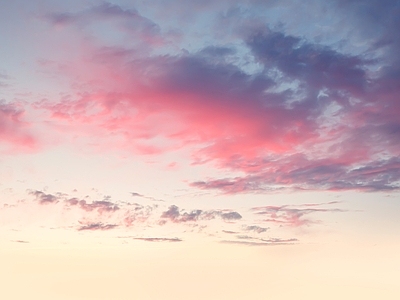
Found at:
<point>231,216</point>
<point>298,173</point>
<point>97,226</point>
<point>255,228</point>
<point>176,215</point>
<point>134,194</point>
<point>99,206</point>
<point>44,198</point>
<point>229,232</point>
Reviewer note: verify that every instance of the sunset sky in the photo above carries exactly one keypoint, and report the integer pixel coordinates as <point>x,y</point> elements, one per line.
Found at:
<point>200,149</point>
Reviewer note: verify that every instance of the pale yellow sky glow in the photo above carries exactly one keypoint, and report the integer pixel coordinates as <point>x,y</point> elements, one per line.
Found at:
<point>142,270</point>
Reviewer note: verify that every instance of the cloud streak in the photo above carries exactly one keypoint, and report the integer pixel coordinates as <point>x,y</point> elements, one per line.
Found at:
<point>97,226</point>
<point>158,239</point>
<point>290,215</point>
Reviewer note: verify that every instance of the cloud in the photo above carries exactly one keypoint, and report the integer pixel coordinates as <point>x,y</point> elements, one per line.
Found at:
<point>172,213</point>
<point>152,239</point>
<point>99,206</point>
<point>97,226</point>
<point>262,243</point>
<point>128,21</point>
<point>197,101</point>
<point>229,232</point>
<point>306,116</point>
<point>176,215</point>
<point>139,214</point>
<point>290,215</point>
<point>317,66</point>
<point>302,174</point>
<point>231,216</point>
<point>136,194</point>
<point>4,79</point>
<point>270,240</point>
<point>44,198</point>
<point>255,228</point>
<point>14,133</point>
<point>106,215</point>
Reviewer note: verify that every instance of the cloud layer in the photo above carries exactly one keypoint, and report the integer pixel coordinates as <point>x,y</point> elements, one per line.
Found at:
<point>283,108</point>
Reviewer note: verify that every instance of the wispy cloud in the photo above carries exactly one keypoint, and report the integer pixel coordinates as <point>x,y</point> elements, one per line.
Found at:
<point>290,215</point>
<point>158,239</point>
<point>129,20</point>
<point>97,226</point>
<point>261,242</point>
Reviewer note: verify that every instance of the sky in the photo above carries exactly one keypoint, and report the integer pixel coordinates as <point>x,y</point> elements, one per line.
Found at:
<point>200,149</point>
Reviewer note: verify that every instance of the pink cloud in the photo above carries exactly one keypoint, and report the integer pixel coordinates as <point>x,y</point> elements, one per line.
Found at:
<point>171,103</point>
<point>15,135</point>
<point>322,132</point>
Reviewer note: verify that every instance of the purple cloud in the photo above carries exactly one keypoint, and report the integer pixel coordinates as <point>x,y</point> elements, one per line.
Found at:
<point>297,173</point>
<point>318,66</point>
<point>99,206</point>
<point>44,198</point>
